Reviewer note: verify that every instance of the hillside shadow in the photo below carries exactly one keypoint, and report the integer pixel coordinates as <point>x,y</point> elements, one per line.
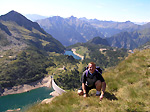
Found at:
<point>110,96</point>
<point>107,95</point>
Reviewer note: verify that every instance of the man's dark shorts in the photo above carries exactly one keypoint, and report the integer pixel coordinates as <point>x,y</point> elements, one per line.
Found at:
<point>88,88</point>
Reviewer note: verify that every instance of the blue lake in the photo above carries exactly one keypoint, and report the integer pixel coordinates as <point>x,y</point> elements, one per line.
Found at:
<point>24,100</point>
<point>71,53</point>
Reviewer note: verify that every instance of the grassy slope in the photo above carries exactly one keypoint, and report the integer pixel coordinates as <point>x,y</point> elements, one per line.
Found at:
<point>127,90</point>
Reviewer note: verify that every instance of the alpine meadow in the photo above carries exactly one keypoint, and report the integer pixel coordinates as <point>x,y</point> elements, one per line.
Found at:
<point>128,90</point>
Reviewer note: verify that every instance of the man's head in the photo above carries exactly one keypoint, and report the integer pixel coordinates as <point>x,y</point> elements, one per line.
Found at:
<point>91,67</point>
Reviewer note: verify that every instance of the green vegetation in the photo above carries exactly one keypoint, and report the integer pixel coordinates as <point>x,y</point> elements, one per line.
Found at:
<point>82,51</point>
<point>127,90</point>
<point>134,69</point>
<point>33,37</point>
<point>66,72</point>
<point>103,56</point>
<point>24,52</point>
<point>69,78</point>
<point>28,66</point>
<point>3,40</point>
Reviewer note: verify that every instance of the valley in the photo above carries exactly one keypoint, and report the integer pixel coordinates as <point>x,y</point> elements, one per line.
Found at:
<point>31,51</point>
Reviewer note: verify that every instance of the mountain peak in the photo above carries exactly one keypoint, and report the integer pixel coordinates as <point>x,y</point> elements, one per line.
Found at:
<point>20,20</point>
<point>12,16</point>
<point>128,22</point>
<point>99,40</point>
<point>72,17</point>
<point>83,19</point>
<point>12,11</point>
<point>56,18</point>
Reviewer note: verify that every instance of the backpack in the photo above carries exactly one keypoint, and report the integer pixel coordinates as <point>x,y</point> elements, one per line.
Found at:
<point>98,69</point>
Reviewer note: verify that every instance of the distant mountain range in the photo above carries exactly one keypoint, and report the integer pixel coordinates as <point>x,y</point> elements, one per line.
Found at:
<point>70,30</point>
<point>73,30</point>
<point>128,40</point>
<point>118,34</point>
<point>34,17</point>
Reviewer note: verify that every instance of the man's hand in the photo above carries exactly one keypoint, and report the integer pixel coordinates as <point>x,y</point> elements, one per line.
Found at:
<point>84,95</point>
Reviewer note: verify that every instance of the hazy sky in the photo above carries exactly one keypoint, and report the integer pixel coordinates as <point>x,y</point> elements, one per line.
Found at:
<point>115,10</point>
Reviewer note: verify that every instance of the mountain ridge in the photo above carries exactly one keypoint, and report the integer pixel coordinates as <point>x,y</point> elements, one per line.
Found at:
<point>21,20</point>
<point>24,50</point>
<point>82,30</point>
<point>68,30</point>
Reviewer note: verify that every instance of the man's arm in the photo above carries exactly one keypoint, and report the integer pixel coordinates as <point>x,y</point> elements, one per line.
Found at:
<point>83,79</point>
<point>84,90</point>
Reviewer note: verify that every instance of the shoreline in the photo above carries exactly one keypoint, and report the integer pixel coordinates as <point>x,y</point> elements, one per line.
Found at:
<point>74,52</point>
<point>44,82</point>
<point>48,100</point>
<point>57,91</point>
